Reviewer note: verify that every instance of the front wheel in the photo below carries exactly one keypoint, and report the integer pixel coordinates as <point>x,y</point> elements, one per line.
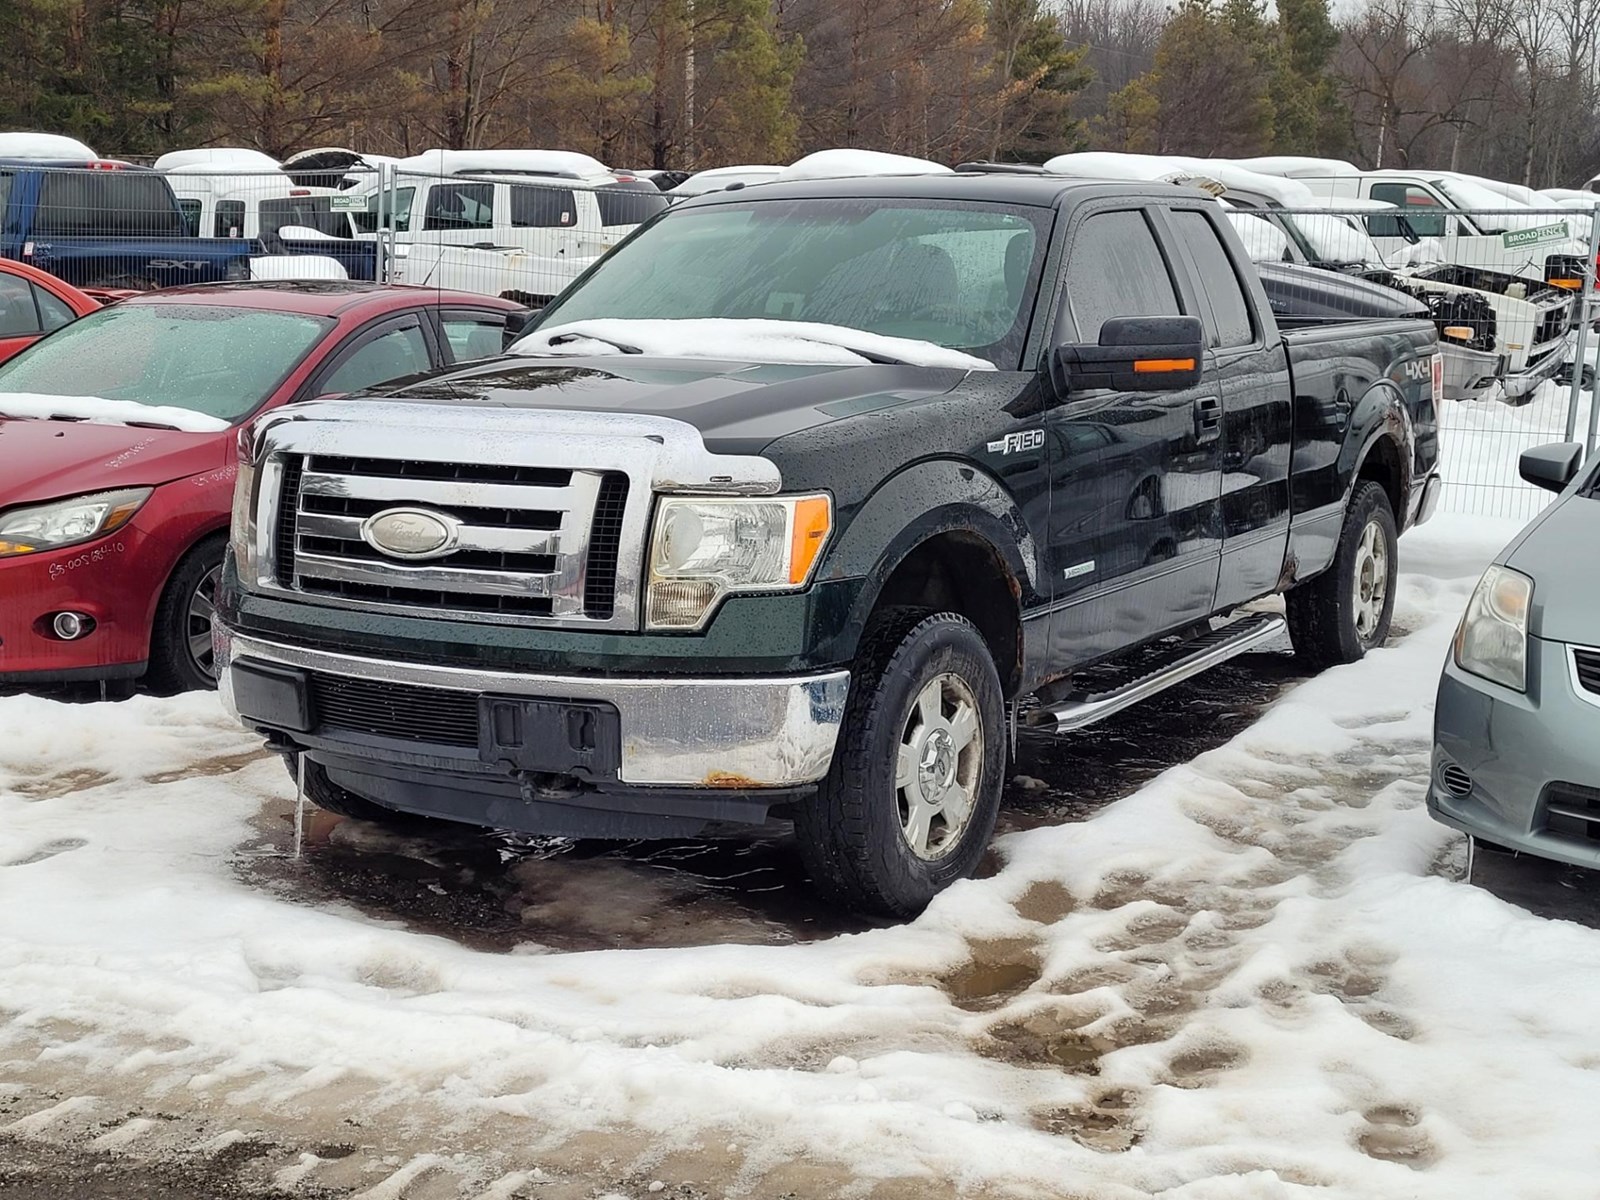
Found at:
<point>910,801</point>
<point>181,658</point>
<point>1344,612</point>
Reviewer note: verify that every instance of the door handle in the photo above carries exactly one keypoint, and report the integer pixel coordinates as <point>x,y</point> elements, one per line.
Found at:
<point>1207,418</point>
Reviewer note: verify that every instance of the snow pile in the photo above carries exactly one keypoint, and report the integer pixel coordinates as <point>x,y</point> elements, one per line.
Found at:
<point>753,340</point>
<point>96,410</point>
<point>854,164</point>
<point>1247,979</point>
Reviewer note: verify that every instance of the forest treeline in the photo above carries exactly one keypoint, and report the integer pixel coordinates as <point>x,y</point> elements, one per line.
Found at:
<point>1499,87</point>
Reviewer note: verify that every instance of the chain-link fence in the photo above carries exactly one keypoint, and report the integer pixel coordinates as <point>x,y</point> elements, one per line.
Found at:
<point>1504,288</point>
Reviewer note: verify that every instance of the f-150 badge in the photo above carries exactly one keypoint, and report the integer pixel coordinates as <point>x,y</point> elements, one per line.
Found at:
<point>1013,443</point>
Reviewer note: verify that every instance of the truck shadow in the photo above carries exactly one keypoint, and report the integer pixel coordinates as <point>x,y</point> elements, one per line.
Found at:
<point>504,892</point>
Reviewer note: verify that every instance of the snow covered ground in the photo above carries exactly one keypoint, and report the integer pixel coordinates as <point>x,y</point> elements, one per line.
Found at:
<point>1255,977</point>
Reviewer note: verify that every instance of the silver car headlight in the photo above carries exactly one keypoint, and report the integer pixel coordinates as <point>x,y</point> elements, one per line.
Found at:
<point>705,548</point>
<point>1492,639</point>
<point>59,523</point>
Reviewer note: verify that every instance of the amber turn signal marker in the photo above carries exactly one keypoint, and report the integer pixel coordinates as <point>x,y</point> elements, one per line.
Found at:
<point>1150,366</point>
<point>1571,285</point>
<point>1459,332</point>
<point>813,519</point>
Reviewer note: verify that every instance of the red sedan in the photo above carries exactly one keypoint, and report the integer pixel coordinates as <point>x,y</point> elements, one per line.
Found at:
<point>117,454</point>
<point>34,303</point>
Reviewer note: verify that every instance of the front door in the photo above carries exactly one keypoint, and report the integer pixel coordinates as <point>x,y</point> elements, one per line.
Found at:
<point>1252,377</point>
<point>1134,535</point>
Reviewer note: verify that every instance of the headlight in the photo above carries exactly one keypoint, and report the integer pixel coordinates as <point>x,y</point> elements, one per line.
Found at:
<point>67,522</point>
<point>242,521</point>
<point>1492,640</point>
<point>706,548</point>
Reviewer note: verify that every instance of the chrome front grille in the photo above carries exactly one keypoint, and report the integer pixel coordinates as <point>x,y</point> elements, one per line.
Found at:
<point>547,511</point>
<point>529,545</point>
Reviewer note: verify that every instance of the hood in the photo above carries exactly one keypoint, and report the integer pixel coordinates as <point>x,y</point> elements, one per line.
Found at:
<point>1560,552</point>
<point>46,459</point>
<point>738,407</point>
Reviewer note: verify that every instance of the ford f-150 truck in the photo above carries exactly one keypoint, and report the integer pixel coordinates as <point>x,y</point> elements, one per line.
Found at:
<point>108,224</point>
<point>803,499</point>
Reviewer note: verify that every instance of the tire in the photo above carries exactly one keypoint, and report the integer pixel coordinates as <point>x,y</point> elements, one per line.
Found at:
<point>871,838</point>
<point>180,640</point>
<point>1344,612</point>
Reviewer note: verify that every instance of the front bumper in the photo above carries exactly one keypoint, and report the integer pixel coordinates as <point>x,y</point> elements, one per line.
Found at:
<point>675,732</point>
<point>1510,768</point>
<point>107,580</point>
<point>1518,389</point>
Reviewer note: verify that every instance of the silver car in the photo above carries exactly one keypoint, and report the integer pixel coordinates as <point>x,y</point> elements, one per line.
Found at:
<point>1516,743</point>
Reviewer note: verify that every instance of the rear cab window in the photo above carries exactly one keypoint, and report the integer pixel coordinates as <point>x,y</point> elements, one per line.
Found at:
<point>629,203</point>
<point>79,203</point>
<point>1415,202</point>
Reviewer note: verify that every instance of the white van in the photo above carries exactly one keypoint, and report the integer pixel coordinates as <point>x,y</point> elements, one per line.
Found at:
<point>552,203</point>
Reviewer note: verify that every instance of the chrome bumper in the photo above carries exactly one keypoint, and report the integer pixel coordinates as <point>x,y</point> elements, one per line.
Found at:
<point>712,733</point>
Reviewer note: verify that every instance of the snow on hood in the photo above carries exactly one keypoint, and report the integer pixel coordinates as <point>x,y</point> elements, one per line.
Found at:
<point>852,164</point>
<point>98,411</point>
<point>743,340</point>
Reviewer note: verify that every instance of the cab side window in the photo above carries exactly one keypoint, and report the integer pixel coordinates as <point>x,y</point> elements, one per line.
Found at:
<point>1117,269</point>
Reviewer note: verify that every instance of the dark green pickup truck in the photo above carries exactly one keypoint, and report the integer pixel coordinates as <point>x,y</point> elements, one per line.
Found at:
<point>804,498</point>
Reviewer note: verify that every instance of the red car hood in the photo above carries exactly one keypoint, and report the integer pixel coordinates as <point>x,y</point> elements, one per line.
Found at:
<point>41,460</point>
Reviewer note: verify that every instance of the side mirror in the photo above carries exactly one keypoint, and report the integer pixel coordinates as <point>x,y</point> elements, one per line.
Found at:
<point>517,324</point>
<point>1551,466</point>
<point>1134,354</point>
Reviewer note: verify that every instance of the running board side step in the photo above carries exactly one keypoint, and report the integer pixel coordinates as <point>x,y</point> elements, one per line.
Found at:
<point>1201,654</point>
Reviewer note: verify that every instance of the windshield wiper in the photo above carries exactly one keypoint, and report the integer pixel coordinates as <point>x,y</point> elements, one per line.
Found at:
<point>564,338</point>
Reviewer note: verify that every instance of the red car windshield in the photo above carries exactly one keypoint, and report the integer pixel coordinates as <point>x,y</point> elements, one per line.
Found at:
<point>218,361</point>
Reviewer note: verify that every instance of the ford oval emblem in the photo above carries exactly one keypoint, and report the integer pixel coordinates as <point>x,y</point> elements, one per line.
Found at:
<point>411,533</point>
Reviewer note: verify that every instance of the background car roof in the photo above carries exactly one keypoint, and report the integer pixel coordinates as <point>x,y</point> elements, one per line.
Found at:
<point>322,298</point>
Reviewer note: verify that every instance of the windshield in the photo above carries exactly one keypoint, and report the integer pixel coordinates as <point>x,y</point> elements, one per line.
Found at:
<point>1479,201</point>
<point>219,362</point>
<point>956,275</point>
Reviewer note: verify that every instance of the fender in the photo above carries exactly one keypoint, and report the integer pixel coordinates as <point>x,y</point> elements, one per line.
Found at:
<point>1379,414</point>
<point>916,504</point>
